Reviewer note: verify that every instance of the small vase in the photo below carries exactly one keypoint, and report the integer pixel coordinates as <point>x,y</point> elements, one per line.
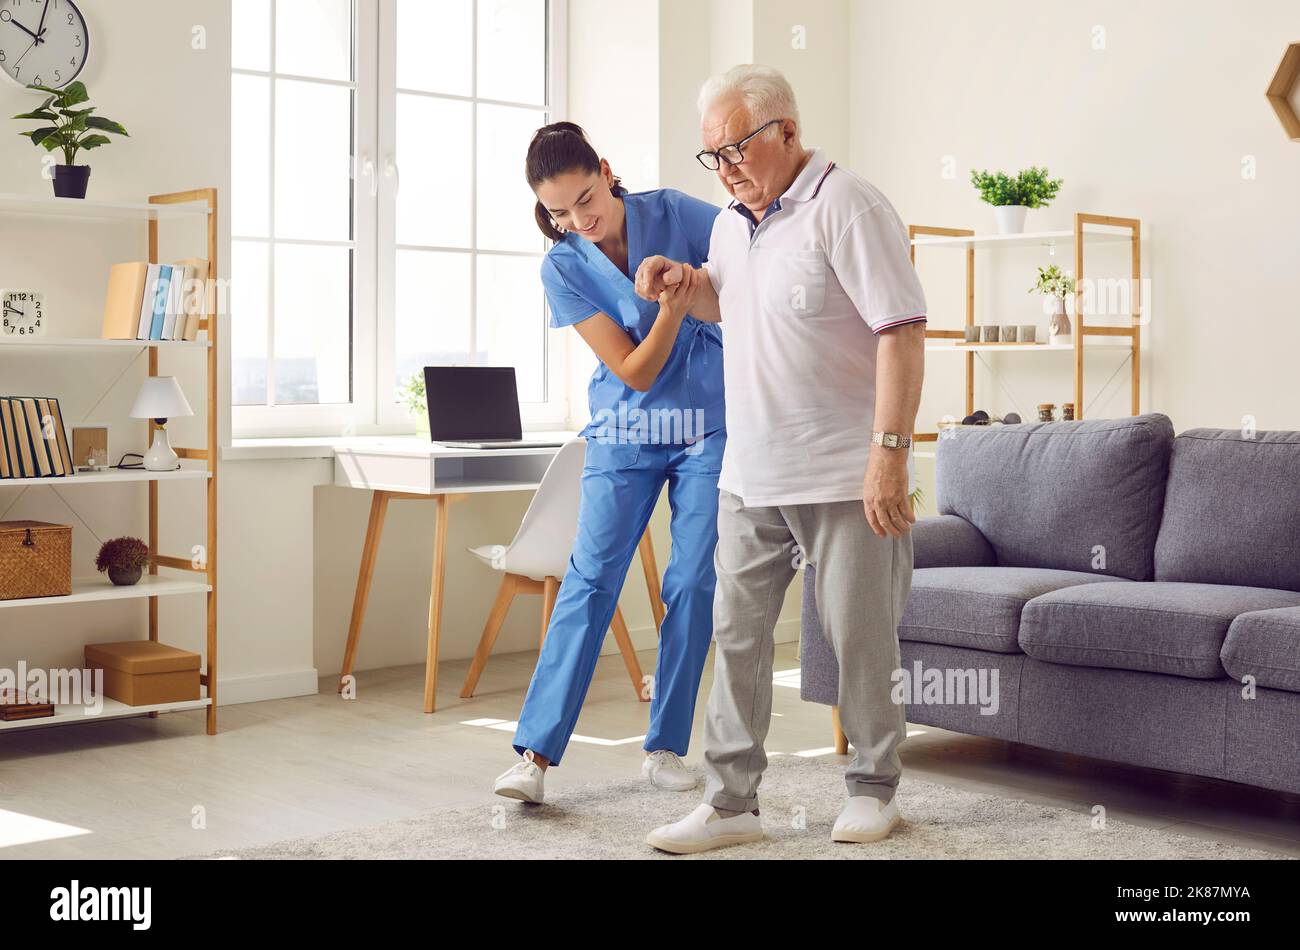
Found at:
<point>1059,331</point>
<point>71,181</point>
<point>125,577</point>
<point>1011,218</point>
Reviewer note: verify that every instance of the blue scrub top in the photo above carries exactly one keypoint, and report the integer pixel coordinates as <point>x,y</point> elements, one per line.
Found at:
<point>581,281</point>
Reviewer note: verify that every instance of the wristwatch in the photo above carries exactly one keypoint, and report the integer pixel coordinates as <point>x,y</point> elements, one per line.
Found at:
<point>891,440</point>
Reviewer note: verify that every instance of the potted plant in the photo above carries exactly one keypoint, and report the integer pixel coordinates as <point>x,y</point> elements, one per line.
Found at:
<point>411,393</point>
<point>1056,286</point>
<point>123,560</point>
<point>1013,197</point>
<point>69,130</point>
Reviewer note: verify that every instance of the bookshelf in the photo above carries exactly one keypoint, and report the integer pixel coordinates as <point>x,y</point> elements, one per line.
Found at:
<point>1087,336</point>
<point>183,578</point>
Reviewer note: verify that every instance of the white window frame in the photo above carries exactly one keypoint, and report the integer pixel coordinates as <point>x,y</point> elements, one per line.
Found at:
<point>374,409</point>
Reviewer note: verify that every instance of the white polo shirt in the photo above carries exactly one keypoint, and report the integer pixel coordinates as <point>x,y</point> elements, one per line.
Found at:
<point>803,296</point>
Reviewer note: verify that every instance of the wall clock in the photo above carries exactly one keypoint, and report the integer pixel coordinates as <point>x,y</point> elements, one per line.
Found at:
<point>22,313</point>
<point>42,42</point>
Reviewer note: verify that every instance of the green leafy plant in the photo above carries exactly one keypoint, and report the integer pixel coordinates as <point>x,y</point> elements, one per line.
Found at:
<point>1052,283</point>
<point>66,127</point>
<point>1031,187</point>
<point>411,393</point>
<point>122,554</point>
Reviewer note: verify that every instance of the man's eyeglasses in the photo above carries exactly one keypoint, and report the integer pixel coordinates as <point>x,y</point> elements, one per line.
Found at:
<point>731,154</point>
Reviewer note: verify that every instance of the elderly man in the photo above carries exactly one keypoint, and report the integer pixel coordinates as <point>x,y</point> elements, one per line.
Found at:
<point>823,322</point>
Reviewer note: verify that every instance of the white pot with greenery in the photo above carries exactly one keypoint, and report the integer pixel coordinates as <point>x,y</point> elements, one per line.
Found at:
<point>411,394</point>
<point>1055,286</point>
<point>1012,198</point>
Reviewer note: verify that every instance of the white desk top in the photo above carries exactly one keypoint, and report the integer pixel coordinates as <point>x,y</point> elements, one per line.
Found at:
<point>411,446</point>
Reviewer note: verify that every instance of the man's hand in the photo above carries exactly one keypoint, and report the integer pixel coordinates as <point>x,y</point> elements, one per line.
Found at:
<point>657,274</point>
<point>884,493</point>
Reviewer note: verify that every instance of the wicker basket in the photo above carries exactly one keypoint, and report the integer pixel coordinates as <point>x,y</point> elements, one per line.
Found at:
<point>35,559</point>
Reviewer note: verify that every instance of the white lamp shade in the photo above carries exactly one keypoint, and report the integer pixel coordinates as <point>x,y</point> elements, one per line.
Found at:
<point>160,398</point>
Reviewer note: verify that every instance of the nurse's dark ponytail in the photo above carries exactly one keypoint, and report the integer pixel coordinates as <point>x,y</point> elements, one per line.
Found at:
<point>558,148</point>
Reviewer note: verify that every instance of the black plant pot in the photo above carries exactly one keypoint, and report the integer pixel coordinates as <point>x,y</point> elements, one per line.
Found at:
<point>124,577</point>
<point>70,181</point>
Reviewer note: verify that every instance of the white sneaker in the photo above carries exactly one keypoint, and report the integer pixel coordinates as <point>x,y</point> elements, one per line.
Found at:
<point>522,781</point>
<point>665,770</point>
<point>704,829</point>
<point>865,819</point>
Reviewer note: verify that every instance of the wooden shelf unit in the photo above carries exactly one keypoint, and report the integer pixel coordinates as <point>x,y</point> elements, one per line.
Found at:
<point>200,202</point>
<point>1129,337</point>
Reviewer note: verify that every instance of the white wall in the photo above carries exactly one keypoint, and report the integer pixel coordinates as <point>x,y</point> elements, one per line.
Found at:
<point>1155,125</point>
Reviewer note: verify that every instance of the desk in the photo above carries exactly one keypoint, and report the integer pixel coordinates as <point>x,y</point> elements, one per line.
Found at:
<point>414,468</point>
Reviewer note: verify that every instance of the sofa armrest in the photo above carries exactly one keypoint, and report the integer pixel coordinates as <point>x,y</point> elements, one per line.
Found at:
<point>950,541</point>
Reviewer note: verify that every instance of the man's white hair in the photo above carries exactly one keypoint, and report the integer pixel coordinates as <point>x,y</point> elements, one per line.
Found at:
<point>767,94</point>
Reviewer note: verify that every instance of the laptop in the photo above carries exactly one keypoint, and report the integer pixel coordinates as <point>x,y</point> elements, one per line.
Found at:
<point>476,407</point>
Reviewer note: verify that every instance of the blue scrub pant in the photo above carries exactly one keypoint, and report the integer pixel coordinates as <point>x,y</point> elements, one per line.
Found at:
<point>620,485</point>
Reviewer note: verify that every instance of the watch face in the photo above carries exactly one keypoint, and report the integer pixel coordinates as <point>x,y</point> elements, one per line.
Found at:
<point>22,312</point>
<point>42,42</point>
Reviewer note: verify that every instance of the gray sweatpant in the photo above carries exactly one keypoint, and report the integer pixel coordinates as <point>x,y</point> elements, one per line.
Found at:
<point>862,585</point>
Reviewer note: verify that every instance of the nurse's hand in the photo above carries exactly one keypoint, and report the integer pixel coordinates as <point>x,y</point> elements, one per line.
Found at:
<point>656,274</point>
<point>675,299</point>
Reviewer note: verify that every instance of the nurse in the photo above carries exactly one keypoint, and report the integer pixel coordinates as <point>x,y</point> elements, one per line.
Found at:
<point>657,416</point>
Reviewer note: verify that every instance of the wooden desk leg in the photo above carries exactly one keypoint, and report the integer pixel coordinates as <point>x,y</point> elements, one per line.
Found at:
<point>435,602</point>
<point>651,568</point>
<point>629,655</point>
<point>550,590</point>
<point>375,527</point>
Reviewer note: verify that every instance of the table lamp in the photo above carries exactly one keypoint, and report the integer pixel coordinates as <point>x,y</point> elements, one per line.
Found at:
<point>161,399</point>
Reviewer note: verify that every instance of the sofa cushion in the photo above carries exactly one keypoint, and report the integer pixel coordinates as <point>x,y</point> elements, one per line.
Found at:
<point>1170,628</point>
<point>1232,510</point>
<point>1265,644</point>
<point>1074,496</point>
<point>978,607</point>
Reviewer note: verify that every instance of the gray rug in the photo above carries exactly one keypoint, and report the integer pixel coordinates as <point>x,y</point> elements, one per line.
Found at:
<point>799,799</point>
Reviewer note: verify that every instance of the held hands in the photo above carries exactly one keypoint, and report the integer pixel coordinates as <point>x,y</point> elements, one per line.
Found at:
<point>670,283</point>
<point>884,493</point>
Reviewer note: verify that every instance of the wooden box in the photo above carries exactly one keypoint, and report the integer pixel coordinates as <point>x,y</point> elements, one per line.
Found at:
<point>35,559</point>
<point>144,672</point>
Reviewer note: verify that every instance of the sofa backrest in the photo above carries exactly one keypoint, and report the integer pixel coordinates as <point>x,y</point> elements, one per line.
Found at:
<point>1076,496</point>
<point>1232,510</point>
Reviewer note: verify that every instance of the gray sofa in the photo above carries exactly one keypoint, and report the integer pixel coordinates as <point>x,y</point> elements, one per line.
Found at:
<point>1128,587</point>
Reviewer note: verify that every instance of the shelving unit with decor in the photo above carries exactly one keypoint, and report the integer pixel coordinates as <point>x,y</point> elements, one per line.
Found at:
<point>1086,336</point>
<point>179,205</point>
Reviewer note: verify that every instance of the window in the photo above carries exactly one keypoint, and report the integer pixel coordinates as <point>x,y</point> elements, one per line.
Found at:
<point>380,220</point>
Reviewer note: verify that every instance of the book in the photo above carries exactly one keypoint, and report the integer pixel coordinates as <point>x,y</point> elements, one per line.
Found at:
<point>10,445</point>
<point>36,432</point>
<point>160,302</point>
<point>150,297</point>
<point>125,298</point>
<point>15,704</point>
<point>33,440</point>
<point>197,297</point>
<point>175,304</point>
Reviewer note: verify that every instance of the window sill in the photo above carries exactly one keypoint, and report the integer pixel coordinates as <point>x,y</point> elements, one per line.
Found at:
<point>325,447</point>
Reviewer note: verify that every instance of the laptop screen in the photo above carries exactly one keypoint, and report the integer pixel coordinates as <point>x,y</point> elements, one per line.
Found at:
<point>469,403</point>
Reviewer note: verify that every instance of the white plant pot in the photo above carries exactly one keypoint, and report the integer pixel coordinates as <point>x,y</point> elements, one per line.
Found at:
<point>1060,332</point>
<point>1011,218</point>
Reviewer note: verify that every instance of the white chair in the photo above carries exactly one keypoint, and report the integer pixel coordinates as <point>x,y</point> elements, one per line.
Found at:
<point>538,557</point>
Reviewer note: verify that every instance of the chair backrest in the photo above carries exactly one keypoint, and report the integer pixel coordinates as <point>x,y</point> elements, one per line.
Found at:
<point>541,546</point>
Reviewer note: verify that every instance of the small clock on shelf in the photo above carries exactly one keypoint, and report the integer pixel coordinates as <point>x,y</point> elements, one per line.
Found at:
<point>23,313</point>
<point>44,43</point>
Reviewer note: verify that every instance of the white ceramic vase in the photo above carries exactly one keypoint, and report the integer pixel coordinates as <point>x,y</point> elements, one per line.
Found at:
<point>1011,218</point>
<point>1059,330</point>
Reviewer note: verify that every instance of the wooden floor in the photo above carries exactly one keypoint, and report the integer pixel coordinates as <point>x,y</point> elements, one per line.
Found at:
<point>159,788</point>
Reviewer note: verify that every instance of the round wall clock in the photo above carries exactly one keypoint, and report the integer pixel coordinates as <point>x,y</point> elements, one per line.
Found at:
<point>42,42</point>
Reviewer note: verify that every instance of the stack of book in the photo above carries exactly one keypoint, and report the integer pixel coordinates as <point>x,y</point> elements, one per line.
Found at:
<point>15,704</point>
<point>156,301</point>
<point>33,441</point>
